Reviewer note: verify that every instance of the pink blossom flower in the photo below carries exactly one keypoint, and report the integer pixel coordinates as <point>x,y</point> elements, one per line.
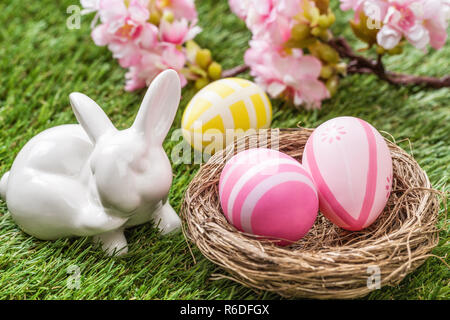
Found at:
<point>143,48</point>
<point>115,12</point>
<point>127,42</point>
<point>239,8</point>
<point>172,58</point>
<point>121,23</point>
<point>290,75</point>
<point>295,76</point>
<point>89,6</point>
<point>182,9</point>
<point>388,37</point>
<point>436,17</point>
<point>374,9</point>
<point>354,5</point>
<point>405,18</point>
<point>272,19</point>
<point>149,36</point>
<point>178,31</point>
<point>154,62</point>
<point>421,22</point>
<point>134,80</point>
<point>125,30</point>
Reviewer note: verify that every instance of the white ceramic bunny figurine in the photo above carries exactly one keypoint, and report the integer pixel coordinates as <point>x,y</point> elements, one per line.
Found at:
<point>94,180</point>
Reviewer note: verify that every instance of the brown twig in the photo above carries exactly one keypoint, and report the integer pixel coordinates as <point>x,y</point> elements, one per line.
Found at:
<point>360,64</point>
<point>234,71</point>
<point>363,65</point>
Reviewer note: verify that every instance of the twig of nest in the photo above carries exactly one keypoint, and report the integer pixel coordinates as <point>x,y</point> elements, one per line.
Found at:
<point>328,262</point>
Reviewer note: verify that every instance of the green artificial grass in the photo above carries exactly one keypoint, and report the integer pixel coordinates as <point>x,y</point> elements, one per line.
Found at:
<point>42,61</point>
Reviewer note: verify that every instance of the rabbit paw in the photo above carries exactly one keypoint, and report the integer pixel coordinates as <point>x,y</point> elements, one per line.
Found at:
<point>167,219</point>
<point>113,242</point>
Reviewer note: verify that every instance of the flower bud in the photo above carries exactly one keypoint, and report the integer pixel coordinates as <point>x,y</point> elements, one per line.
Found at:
<point>201,83</point>
<point>332,85</point>
<point>203,58</point>
<point>164,3</point>
<point>312,14</point>
<point>324,22</point>
<point>362,31</point>
<point>380,50</point>
<point>196,70</point>
<point>397,50</point>
<point>316,31</point>
<point>327,53</point>
<point>341,68</point>
<point>326,72</point>
<point>191,50</point>
<point>331,17</point>
<point>324,35</point>
<point>215,71</point>
<point>155,17</point>
<point>301,44</point>
<point>192,45</point>
<point>315,14</point>
<point>300,31</point>
<point>168,16</point>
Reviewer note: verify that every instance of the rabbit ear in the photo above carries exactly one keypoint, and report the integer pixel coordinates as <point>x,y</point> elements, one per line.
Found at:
<point>91,117</point>
<point>158,110</point>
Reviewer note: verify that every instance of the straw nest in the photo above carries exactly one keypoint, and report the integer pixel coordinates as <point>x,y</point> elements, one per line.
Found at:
<point>328,262</point>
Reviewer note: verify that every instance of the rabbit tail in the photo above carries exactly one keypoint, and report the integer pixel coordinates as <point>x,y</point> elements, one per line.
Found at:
<point>3,183</point>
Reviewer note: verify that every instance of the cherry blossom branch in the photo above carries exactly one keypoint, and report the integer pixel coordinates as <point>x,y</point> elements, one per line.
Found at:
<point>360,64</point>
<point>363,65</point>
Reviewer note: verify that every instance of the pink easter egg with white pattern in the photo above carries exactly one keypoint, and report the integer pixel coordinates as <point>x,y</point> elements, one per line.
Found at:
<point>351,166</point>
<point>268,193</point>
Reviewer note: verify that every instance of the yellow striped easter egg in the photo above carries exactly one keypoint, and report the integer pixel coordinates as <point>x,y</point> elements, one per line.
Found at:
<point>225,109</point>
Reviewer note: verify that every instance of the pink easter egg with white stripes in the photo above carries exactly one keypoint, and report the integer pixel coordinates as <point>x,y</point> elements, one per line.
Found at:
<point>268,193</point>
<point>351,166</point>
